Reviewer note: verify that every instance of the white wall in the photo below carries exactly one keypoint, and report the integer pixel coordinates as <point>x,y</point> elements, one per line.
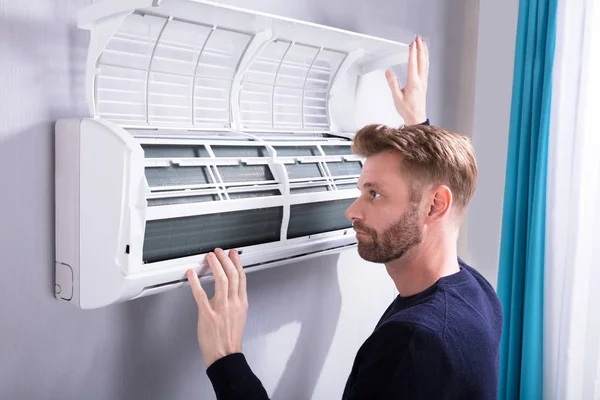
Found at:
<point>495,59</point>
<point>306,320</point>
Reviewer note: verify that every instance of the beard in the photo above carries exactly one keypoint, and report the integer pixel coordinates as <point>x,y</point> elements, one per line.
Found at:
<point>395,241</point>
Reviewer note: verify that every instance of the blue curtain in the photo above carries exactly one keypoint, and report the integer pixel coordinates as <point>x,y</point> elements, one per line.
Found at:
<point>521,269</point>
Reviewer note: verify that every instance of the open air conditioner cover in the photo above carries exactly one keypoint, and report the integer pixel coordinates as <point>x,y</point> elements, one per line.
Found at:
<point>212,127</point>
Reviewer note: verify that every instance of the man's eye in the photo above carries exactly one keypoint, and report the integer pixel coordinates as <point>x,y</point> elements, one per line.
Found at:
<point>374,194</point>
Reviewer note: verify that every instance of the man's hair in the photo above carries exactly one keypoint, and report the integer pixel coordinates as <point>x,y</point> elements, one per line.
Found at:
<point>430,155</point>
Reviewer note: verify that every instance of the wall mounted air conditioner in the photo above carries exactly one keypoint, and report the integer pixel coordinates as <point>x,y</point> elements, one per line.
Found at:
<point>212,126</point>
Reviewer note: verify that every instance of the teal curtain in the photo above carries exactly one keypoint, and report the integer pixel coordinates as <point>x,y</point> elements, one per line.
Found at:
<point>521,269</point>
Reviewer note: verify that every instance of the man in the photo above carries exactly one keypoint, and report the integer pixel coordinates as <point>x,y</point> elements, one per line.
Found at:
<point>439,339</point>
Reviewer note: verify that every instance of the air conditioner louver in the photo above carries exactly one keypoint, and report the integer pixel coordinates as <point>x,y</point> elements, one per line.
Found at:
<point>212,126</point>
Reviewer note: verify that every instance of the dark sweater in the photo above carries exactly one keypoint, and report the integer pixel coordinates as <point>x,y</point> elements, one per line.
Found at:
<point>442,343</point>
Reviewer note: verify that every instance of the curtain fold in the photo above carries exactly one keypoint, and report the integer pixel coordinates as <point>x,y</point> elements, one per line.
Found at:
<point>521,268</point>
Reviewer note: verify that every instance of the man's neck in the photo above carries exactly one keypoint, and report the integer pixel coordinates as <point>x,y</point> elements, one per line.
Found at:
<point>422,266</point>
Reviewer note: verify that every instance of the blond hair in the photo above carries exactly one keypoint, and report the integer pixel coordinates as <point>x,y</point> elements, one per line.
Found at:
<point>430,155</point>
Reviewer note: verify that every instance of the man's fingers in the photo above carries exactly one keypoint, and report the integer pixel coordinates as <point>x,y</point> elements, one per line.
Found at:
<point>413,66</point>
<point>198,292</point>
<point>230,271</point>
<point>221,282</point>
<point>235,257</point>
<point>423,59</point>
<point>394,85</point>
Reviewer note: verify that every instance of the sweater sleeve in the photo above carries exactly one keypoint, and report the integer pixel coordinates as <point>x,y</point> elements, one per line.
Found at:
<point>400,360</point>
<point>232,379</point>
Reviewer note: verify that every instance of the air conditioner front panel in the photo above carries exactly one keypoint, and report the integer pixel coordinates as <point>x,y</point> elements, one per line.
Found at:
<point>200,65</point>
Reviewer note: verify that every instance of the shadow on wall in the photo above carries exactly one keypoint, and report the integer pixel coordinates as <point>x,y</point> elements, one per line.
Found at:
<point>316,306</point>
<point>159,346</point>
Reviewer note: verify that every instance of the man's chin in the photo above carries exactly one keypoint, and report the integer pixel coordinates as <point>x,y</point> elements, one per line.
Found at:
<point>366,252</point>
<point>370,253</point>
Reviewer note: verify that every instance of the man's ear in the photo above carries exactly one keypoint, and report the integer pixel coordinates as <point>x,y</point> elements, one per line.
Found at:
<point>440,202</point>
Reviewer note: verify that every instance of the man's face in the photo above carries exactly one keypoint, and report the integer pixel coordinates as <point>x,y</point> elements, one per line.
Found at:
<point>386,221</point>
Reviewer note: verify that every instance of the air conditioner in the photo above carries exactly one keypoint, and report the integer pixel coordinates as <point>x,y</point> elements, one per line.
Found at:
<point>212,126</point>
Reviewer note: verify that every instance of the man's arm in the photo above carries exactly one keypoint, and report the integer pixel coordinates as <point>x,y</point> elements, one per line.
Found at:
<point>233,379</point>
<point>221,322</point>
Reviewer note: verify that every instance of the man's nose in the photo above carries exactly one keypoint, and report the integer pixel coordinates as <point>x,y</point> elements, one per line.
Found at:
<point>353,212</point>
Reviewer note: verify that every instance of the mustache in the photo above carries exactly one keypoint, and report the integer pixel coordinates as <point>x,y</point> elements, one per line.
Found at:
<point>363,228</point>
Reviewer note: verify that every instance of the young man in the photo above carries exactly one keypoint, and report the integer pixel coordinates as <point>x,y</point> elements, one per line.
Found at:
<point>439,339</point>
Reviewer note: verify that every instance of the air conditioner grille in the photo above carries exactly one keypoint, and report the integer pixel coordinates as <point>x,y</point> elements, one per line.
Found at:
<point>157,71</point>
<point>312,218</point>
<point>186,236</point>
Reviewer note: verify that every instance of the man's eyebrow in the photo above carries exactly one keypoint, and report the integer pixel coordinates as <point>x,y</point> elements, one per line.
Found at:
<point>369,185</point>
